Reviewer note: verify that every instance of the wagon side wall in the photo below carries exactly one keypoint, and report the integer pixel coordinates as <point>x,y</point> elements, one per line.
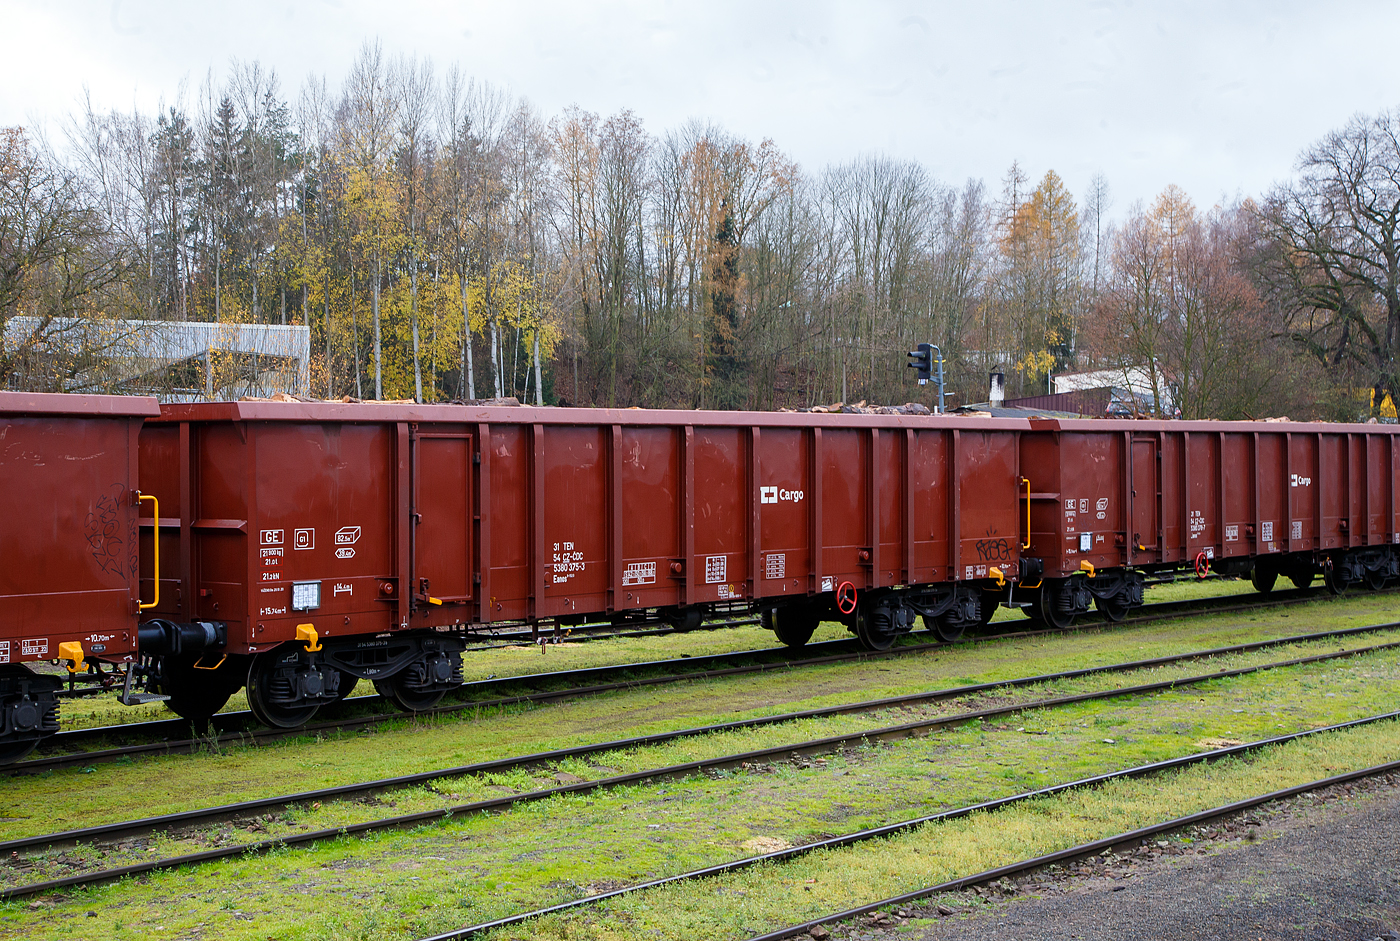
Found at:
<point>1182,494</point>
<point>70,529</point>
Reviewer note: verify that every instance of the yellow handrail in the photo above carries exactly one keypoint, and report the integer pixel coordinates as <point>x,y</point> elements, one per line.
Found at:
<point>1027,482</point>
<point>155,540</point>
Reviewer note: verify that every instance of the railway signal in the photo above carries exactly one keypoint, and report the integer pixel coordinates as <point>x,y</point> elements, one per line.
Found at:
<point>923,360</point>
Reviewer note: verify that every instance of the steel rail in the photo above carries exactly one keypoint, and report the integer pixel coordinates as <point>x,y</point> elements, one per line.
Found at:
<point>991,805</point>
<point>236,722</point>
<point>1084,850</point>
<point>829,744</point>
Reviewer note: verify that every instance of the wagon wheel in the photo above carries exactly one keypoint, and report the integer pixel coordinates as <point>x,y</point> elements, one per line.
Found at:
<point>1263,579</point>
<point>1375,579</point>
<point>11,752</point>
<point>685,619</point>
<point>347,683</point>
<point>875,631</point>
<point>1301,579</point>
<point>260,682</point>
<point>948,632</point>
<point>990,603</point>
<point>1048,612</point>
<point>197,694</point>
<point>1114,609</point>
<point>394,689</point>
<point>1335,583</point>
<point>794,625</point>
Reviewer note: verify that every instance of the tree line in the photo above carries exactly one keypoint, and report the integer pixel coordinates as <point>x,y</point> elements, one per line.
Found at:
<point>443,240</point>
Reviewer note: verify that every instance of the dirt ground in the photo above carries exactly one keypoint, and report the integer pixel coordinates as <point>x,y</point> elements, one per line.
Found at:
<point>1320,867</point>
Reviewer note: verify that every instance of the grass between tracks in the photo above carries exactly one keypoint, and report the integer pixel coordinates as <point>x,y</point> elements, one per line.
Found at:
<point>405,884</point>
<point>229,772</point>
<point>98,796</point>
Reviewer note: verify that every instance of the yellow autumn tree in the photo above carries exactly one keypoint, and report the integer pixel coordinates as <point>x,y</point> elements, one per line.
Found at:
<point>1039,280</point>
<point>510,303</point>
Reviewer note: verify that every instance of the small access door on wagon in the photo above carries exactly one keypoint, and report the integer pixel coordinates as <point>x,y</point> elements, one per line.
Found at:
<point>442,525</point>
<point>1143,526</point>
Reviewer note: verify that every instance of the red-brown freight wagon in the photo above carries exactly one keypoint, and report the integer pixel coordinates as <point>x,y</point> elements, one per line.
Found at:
<point>313,543</point>
<point>68,585</point>
<point>1110,501</point>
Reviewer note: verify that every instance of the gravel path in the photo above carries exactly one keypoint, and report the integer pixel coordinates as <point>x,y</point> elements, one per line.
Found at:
<point>1322,867</point>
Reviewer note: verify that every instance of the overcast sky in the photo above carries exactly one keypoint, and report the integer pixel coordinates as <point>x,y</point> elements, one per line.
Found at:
<point>1215,97</point>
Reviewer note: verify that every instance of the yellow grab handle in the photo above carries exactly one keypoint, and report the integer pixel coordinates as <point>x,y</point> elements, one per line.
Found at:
<point>306,634</point>
<point>155,540</point>
<point>71,650</point>
<point>1027,482</point>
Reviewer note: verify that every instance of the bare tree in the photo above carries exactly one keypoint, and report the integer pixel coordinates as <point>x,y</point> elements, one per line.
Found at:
<point>1335,270</point>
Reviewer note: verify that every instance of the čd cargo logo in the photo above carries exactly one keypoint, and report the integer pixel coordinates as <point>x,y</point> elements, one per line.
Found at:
<point>1296,480</point>
<point>776,494</point>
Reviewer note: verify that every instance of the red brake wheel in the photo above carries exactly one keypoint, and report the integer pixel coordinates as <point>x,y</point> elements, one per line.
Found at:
<point>845,597</point>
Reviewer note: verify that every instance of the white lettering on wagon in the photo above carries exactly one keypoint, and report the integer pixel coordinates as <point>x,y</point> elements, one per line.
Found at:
<point>568,561</point>
<point>779,495</point>
<point>270,537</point>
<point>716,567</point>
<point>4,651</point>
<point>639,573</point>
<point>34,647</point>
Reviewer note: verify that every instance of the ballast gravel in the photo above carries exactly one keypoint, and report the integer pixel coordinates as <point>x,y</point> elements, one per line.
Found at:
<point>1319,867</point>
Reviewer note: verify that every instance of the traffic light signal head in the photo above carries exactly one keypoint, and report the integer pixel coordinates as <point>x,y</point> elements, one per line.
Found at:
<point>922,360</point>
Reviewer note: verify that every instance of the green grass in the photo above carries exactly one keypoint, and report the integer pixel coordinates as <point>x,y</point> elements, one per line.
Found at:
<point>107,792</point>
<point>403,884</point>
<point>400,884</point>
<point>773,896</point>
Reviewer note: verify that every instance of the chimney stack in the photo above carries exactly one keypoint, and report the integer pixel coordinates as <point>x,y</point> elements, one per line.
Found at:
<point>998,390</point>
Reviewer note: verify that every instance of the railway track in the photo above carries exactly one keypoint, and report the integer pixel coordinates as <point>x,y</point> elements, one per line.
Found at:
<point>126,830</point>
<point>1086,849</point>
<point>1116,843</point>
<point>174,736</point>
